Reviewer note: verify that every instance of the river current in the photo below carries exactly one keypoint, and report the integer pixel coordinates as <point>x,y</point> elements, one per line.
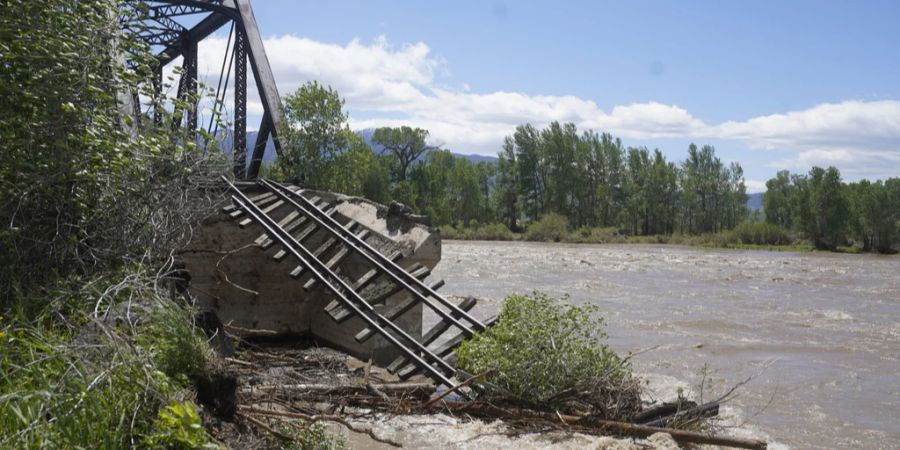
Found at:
<point>818,333</point>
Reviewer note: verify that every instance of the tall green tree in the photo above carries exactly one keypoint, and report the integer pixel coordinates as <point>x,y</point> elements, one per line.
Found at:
<point>778,202</point>
<point>875,213</point>
<point>608,171</point>
<point>822,208</point>
<point>532,170</point>
<point>349,170</point>
<point>315,131</point>
<point>713,195</point>
<point>405,144</point>
<point>508,190</point>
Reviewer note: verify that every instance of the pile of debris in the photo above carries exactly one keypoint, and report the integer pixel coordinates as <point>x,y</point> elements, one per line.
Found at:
<point>300,381</point>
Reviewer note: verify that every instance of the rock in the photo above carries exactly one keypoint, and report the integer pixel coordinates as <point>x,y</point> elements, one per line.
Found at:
<point>662,441</point>
<point>610,443</point>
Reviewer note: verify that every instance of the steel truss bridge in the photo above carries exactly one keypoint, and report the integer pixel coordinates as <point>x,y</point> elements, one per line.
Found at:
<point>174,28</point>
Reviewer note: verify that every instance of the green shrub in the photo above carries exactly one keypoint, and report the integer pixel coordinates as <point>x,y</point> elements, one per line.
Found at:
<point>448,232</point>
<point>177,349</point>
<point>761,233</point>
<point>486,232</point>
<point>551,227</point>
<point>550,354</point>
<point>309,436</point>
<point>55,393</point>
<point>71,380</point>
<point>178,427</point>
<point>596,235</point>
<point>493,232</point>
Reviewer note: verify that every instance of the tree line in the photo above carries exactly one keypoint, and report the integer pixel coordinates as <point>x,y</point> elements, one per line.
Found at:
<point>593,180</point>
<point>831,213</point>
<point>590,178</point>
<point>584,180</point>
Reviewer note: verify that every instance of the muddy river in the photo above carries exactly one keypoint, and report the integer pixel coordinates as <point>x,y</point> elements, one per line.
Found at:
<point>818,333</point>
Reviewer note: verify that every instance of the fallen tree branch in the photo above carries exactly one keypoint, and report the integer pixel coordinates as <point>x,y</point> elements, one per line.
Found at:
<point>396,389</point>
<point>266,427</point>
<point>225,275</point>
<point>320,418</point>
<point>250,331</point>
<point>456,388</point>
<point>705,410</point>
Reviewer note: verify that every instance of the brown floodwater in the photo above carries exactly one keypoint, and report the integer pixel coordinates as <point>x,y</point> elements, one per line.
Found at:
<point>818,333</point>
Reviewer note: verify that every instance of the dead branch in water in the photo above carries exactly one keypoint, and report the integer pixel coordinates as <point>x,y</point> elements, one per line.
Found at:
<point>320,418</point>
<point>456,388</point>
<point>418,390</point>
<point>592,424</point>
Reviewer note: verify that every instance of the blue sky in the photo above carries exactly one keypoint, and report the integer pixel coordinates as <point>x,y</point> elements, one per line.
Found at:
<point>771,84</point>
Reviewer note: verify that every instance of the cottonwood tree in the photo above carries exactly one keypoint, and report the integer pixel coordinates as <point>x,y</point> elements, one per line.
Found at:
<point>314,133</point>
<point>506,190</point>
<point>875,213</point>
<point>406,144</point>
<point>822,207</point>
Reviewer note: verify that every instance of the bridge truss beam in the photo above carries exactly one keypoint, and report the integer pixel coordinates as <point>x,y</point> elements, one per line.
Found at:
<point>163,28</point>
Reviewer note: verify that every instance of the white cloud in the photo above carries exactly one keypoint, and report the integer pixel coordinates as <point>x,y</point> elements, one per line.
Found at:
<point>754,186</point>
<point>860,138</point>
<point>387,85</point>
<point>853,123</point>
<point>381,82</point>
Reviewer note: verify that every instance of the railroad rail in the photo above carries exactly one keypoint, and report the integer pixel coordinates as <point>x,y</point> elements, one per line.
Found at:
<point>309,215</point>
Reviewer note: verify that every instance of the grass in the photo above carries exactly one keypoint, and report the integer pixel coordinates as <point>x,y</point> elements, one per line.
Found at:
<point>73,381</point>
<point>475,232</point>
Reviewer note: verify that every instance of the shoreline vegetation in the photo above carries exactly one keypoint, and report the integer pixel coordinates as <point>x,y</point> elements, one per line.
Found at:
<point>746,236</point>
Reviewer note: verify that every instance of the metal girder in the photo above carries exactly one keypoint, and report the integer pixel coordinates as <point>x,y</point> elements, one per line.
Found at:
<point>160,28</point>
<point>174,10</point>
<point>265,84</point>
<point>239,150</point>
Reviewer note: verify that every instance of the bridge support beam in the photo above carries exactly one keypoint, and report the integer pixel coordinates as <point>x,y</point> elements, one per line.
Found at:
<point>239,152</point>
<point>177,40</point>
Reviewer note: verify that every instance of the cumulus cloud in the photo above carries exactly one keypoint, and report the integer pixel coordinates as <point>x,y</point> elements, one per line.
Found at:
<point>860,138</point>
<point>388,85</point>
<point>754,186</point>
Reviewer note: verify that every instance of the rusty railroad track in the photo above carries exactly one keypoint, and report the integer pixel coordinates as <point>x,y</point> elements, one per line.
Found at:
<point>287,233</point>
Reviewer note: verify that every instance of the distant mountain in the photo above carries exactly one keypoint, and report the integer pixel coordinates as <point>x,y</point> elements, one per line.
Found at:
<point>227,143</point>
<point>755,201</point>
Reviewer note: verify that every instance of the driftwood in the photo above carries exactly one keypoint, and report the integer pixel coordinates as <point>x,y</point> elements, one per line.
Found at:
<point>662,410</point>
<point>455,389</point>
<point>417,390</point>
<point>619,428</point>
<point>688,415</point>
<point>318,418</point>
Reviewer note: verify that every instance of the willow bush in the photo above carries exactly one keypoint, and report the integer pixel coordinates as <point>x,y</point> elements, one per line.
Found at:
<point>550,354</point>
<point>551,227</point>
<point>85,185</point>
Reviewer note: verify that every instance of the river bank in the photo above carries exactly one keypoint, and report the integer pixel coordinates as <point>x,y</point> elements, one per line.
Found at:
<point>751,237</point>
<point>817,331</point>
<point>745,236</point>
